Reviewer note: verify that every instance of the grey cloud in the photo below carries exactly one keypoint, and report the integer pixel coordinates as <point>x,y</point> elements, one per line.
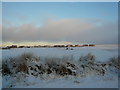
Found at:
<point>105,34</point>
<point>73,30</point>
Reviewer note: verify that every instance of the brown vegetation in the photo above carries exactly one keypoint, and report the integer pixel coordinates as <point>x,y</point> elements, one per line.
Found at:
<point>31,64</point>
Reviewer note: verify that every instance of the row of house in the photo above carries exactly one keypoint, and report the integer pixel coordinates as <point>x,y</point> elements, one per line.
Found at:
<point>49,46</point>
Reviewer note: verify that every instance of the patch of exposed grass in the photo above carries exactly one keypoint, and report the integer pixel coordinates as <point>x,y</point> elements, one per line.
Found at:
<point>17,64</point>
<point>114,62</point>
<point>5,69</point>
<point>87,59</point>
<point>62,66</point>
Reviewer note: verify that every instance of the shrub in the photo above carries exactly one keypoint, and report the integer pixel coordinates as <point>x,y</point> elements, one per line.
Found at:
<point>5,68</point>
<point>87,59</point>
<point>88,64</point>
<point>60,66</point>
<point>22,68</point>
<point>18,64</point>
<point>114,62</point>
<point>66,65</point>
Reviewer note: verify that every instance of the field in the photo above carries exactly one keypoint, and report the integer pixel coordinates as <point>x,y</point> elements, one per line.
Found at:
<point>89,67</point>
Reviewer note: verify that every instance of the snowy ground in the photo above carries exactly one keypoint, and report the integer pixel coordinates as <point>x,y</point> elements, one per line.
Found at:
<point>102,54</point>
<point>71,82</point>
<point>0,81</point>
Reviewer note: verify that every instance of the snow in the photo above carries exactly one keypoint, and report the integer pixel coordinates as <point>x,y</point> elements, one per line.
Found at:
<point>0,81</point>
<point>102,53</point>
<point>67,82</point>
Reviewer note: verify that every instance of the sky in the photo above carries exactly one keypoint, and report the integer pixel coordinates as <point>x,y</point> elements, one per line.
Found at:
<point>73,22</point>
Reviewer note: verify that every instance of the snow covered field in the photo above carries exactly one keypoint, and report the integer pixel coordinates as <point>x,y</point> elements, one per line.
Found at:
<point>102,54</point>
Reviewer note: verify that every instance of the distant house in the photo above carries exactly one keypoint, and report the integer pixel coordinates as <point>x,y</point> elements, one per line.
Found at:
<point>36,46</point>
<point>78,45</point>
<point>27,46</point>
<point>21,46</point>
<point>91,45</point>
<point>69,46</point>
<point>84,45</point>
<point>59,46</point>
<point>13,46</point>
<point>5,48</point>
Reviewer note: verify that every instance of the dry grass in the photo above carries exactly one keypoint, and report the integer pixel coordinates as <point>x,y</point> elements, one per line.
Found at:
<point>114,62</point>
<point>22,68</point>
<point>5,68</point>
<point>18,64</point>
<point>62,66</point>
<point>87,59</point>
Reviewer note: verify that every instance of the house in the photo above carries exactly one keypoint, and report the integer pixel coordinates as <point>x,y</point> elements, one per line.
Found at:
<point>85,45</point>
<point>69,46</point>
<point>13,46</point>
<point>91,45</point>
<point>21,46</point>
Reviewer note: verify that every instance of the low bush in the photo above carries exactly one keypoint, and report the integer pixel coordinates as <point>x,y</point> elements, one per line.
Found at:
<point>5,68</point>
<point>13,65</point>
<point>30,64</point>
<point>114,62</point>
<point>87,59</point>
<point>59,66</point>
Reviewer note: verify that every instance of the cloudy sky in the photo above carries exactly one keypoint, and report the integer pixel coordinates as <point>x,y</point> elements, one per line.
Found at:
<point>75,22</point>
